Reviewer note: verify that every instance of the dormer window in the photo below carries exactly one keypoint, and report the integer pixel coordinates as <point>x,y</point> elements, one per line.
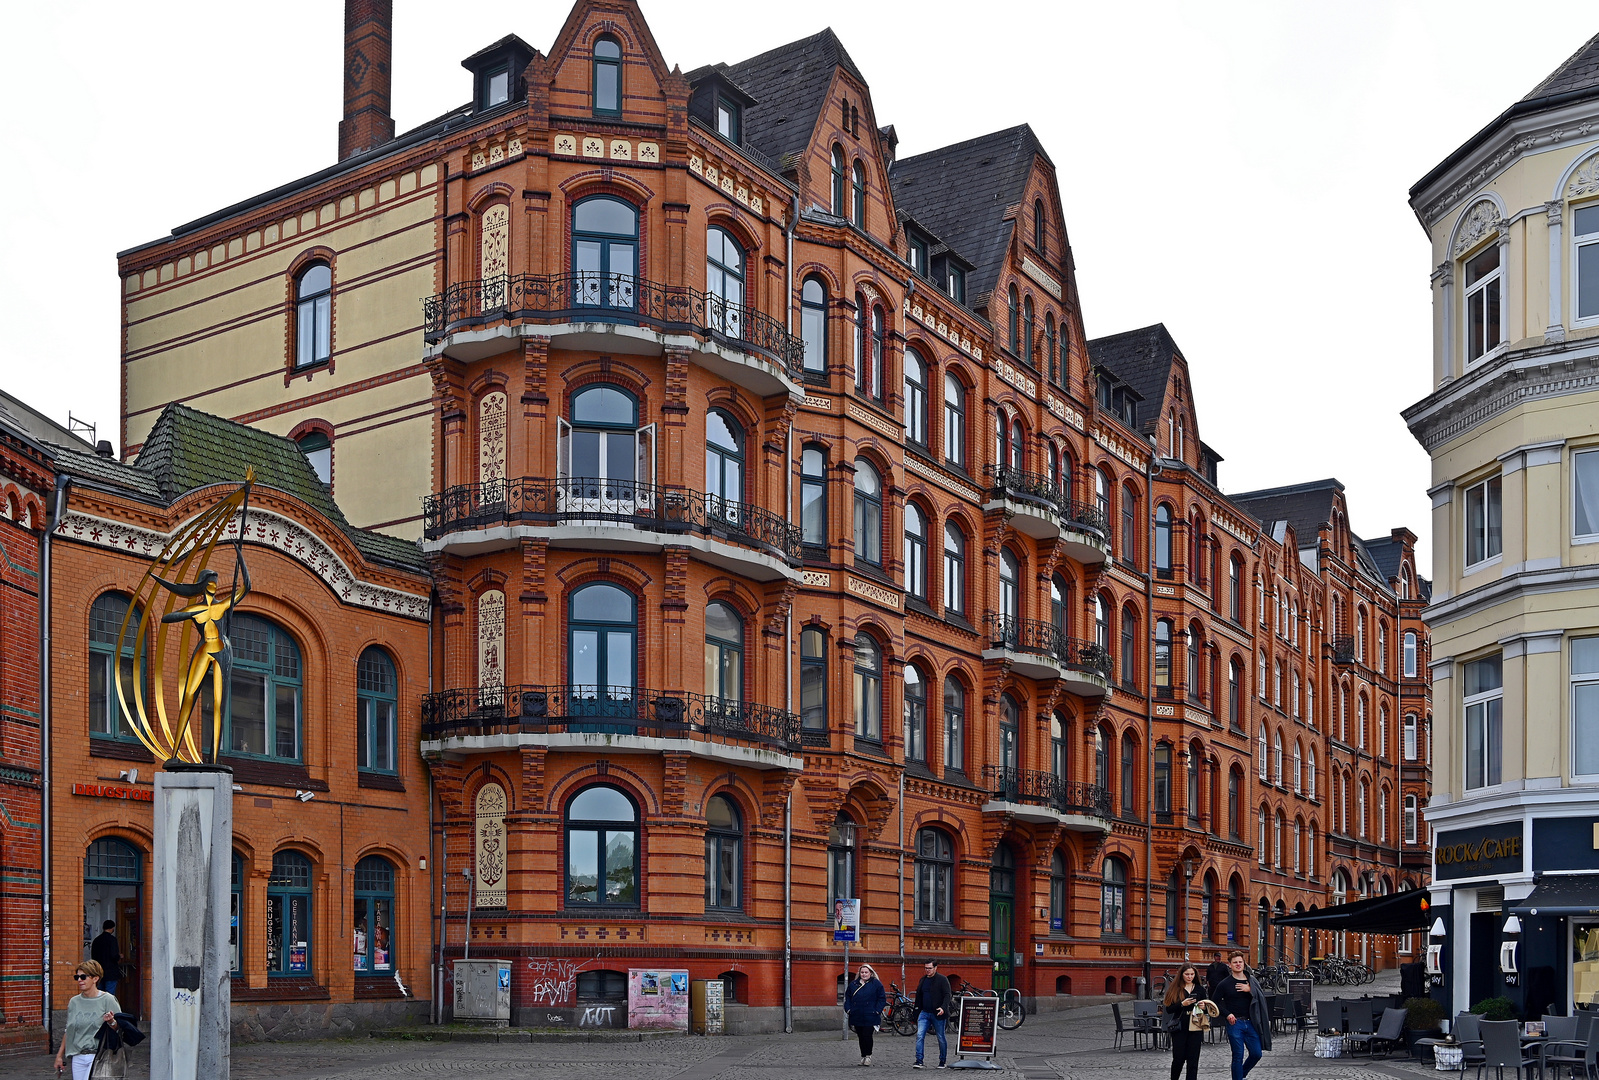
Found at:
<point>918,253</point>
<point>728,119</point>
<point>496,87</point>
<point>955,284</point>
<point>607,77</point>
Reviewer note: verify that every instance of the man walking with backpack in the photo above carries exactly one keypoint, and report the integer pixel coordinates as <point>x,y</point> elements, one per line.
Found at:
<point>933,1000</point>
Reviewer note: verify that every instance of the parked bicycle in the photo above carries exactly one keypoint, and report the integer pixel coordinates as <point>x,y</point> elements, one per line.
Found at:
<point>900,1012</point>
<point>1011,1010</point>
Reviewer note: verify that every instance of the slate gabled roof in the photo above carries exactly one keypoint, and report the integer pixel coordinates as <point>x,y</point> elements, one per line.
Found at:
<point>1142,359</point>
<point>187,449</point>
<point>961,193</point>
<point>1579,72</point>
<point>1306,507</point>
<point>1386,553</point>
<point>789,85</point>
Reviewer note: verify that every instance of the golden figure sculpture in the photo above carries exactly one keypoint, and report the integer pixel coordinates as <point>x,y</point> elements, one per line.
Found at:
<point>191,547</point>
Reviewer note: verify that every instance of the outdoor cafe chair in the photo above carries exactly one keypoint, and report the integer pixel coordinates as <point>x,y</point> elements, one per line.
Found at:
<point>1501,1049</point>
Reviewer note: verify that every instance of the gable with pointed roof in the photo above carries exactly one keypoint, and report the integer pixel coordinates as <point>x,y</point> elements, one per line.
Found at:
<point>790,85</point>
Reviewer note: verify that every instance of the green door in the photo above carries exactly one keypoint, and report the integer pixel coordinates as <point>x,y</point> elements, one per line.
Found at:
<point>1001,907</point>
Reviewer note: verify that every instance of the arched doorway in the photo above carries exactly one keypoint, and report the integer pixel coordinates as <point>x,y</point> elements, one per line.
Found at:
<point>113,879</point>
<point>1001,914</point>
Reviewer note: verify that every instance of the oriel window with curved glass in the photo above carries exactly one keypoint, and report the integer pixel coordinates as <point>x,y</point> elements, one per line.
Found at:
<point>602,647</point>
<point>602,849</point>
<point>724,282</point>
<point>604,253</point>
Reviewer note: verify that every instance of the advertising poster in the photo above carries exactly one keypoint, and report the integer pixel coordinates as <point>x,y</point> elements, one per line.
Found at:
<point>846,920</point>
<point>979,1020</point>
<point>657,998</point>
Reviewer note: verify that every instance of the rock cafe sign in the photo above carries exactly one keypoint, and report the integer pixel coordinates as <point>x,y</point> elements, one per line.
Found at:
<point>1470,853</point>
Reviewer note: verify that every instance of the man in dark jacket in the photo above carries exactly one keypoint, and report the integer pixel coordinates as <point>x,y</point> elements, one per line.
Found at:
<point>1243,1008</point>
<point>105,952</point>
<point>933,1001</point>
<point>1216,972</point>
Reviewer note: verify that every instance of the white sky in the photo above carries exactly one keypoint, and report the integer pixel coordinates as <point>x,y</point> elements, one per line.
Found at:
<point>1235,170</point>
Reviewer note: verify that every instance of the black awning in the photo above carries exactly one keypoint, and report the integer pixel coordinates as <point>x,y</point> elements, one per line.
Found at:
<point>1396,913</point>
<point>1567,894</point>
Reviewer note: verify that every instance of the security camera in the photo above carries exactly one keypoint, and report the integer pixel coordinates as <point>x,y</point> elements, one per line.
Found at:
<point>305,796</point>
<point>130,775</point>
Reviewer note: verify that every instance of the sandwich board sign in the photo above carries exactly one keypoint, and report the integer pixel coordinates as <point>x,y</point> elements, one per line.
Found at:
<point>979,1030</point>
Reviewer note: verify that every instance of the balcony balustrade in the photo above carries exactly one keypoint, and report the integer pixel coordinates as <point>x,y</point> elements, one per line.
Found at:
<point>1086,665</point>
<point>1030,787</point>
<point>1044,511</point>
<point>539,500</point>
<point>588,296</point>
<point>616,713</point>
<point>1343,648</point>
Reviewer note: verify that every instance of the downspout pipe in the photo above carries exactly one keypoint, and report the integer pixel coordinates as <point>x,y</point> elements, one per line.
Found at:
<point>46,724</point>
<point>788,667</point>
<point>1150,472</point>
<point>436,987</point>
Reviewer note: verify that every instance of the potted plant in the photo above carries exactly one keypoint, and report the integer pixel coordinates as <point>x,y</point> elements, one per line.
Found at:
<point>1494,1008</point>
<point>1423,1020</point>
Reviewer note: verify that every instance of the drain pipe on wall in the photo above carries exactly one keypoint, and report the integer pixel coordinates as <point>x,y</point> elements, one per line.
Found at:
<point>436,1008</point>
<point>902,877</point>
<point>1150,473</point>
<point>46,674</point>
<point>788,671</point>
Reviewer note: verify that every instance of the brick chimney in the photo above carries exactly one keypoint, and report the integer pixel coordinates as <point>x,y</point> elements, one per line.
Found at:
<point>368,26</point>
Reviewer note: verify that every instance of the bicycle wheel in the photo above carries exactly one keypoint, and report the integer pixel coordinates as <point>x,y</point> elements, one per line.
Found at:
<point>904,1019</point>
<point>1011,1013</point>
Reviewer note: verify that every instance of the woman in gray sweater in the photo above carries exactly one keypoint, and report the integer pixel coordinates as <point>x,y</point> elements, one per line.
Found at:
<point>86,1011</point>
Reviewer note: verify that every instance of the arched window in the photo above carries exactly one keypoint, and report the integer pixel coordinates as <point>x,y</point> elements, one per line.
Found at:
<point>1299,768</point>
<point>1015,321</point>
<point>1174,888</point>
<point>1191,674</point>
<point>1192,795</point>
<point>1102,760</point>
<point>1059,750</point>
<point>915,719</point>
<point>1163,538</point>
<point>1130,524</point>
<point>1410,824</point>
<point>1262,841</point>
<point>724,282</point>
<point>1163,783</point>
<point>1235,589</point>
<point>724,854</point>
<point>954,724</point>
<point>604,252</point>
<point>868,513</point>
<point>1102,499</point>
<point>1038,225</point>
<point>868,688</point>
<point>601,451</point>
<point>1129,776</point>
<point>108,663</point>
<point>1028,326</point>
<point>1163,658</point>
<point>1018,446</point>
<point>915,551</point>
<point>1049,345</point>
<point>1310,771</point>
<point>263,714</point>
<point>813,325</point>
<point>1002,871</point>
<point>313,315</point>
<point>1235,812</point>
<point>318,451</point>
<point>1361,796</point>
<point>724,465</point>
<point>935,878</point>
<point>813,496</point>
<point>858,207</point>
<point>1009,628</point>
<point>112,861</point>
<point>602,647</point>
<point>289,925</point>
<point>1382,731</point>
<point>374,914</point>
<point>607,76</point>
<point>1057,892</point>
<point>1052,466</point>
<point>1409,737</point>
<point>1382,647</point>
<point>1113,898</point>
<point>1410,654</point>
<point>1310,703</point>
<point>1235,694</point>
<point>1262,751</point>
<point>838,180</point>
<point>813,679</point>
<point>236,917</point>
<point>1232,909</point>
<point>724,653</point>
<point>1293,696</point>
<point>1261,682</point>
<point>915,398</point>
<point>841,858</point>
<point>1299,828</point>
<point>1010,715</point>
<point>954,569</point>
<point>1129,647</point>
<point>377,696</point>
<point>1059,606</point>
<point>954,421</point>
<point>879,345</point>
<point>602,848</point>
<point>1277,758</point>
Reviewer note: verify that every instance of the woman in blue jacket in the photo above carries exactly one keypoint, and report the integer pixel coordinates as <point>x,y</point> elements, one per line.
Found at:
<point>864,1000</point>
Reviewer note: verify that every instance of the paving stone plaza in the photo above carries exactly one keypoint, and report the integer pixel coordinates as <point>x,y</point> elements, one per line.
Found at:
<point>1068,1045</point>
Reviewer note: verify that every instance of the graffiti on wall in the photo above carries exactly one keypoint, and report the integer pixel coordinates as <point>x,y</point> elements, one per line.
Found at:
<point>553,982</point>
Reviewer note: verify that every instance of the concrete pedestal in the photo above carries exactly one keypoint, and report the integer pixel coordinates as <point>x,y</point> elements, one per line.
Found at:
<point>190,992</point>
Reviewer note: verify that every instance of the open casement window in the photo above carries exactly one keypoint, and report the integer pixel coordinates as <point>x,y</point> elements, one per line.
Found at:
<point>1484,517</point>
<point>1484,285</point>
<point>604,463</point>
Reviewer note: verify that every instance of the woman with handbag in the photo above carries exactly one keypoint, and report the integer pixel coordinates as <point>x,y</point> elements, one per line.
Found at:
<point>865,1000</point>
<point>1188,1011</point>
<point>86,1011</point>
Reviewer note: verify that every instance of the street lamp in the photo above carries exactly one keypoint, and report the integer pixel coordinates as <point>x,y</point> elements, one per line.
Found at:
<point>1189,865</point>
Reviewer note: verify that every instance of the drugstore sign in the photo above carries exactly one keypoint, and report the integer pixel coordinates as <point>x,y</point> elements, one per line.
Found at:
<point>112,791</point>
<point>1478,852</point>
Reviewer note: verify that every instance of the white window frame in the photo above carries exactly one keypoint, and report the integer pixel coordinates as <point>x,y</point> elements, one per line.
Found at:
<point>1588,679</point>
<point>1412,648</point>
<point>1469,292</point>
<point>1483,699</point>
<point>1578,242</point>
<point>1576,455</point>
<point>1411,818</point>
<point>1263,751</point>
<point>1488,557</point>
<point>1411,737</point>
<point>1310,774</point>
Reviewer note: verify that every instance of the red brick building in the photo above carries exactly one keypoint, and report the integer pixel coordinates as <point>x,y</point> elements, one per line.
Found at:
<point>790,539</point>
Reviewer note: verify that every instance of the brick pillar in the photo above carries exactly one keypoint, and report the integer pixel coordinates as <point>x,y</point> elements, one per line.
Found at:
<point>368,28</point>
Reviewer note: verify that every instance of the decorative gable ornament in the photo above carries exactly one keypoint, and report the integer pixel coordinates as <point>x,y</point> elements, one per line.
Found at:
<point>1480,220</point>
<point>1586,179</point>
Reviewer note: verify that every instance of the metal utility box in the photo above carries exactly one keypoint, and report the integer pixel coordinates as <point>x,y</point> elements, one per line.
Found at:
<point>705,1012</point>
<point>483,991</point>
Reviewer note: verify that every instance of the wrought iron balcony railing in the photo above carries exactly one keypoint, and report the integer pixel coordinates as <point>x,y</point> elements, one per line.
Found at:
<point>1046,639</point>
<point>549,501</point>
<point>609,710</point>
<point>1343,648</point>
<point>1046,789</point>
<point>1005,480</point>
<point>590,296</point>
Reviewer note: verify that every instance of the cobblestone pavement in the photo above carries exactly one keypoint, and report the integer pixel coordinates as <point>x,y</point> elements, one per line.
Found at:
<point>1068,1045</point>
